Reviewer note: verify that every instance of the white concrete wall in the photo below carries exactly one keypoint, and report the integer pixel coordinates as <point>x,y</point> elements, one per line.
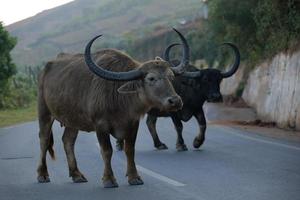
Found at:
<point>273,89</point>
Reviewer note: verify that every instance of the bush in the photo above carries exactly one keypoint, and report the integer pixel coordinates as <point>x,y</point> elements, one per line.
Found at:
<point>21,92</point>
<point>21,89</point>
<point>7,68</point>
<point>278,25</point>
<point>260,28</point>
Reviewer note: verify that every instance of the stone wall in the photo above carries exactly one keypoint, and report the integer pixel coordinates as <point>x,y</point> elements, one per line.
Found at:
<point>272,89</point>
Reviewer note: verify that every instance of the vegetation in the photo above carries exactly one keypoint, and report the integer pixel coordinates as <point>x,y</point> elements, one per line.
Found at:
<point>19,99</point>
<point>17,115</point>
<point>17,90</point>
<point>21,89</point>
<point>261,28</point>
<point>7,68</point>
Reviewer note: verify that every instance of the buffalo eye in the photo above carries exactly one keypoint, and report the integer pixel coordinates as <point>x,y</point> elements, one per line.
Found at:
<point>151,79</point>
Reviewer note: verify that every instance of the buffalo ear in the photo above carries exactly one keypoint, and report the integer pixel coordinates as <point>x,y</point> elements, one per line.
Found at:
<point>130,87</point>
<point>159,58</point>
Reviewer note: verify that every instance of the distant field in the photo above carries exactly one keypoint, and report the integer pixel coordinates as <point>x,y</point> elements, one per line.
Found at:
<point>10,117</point>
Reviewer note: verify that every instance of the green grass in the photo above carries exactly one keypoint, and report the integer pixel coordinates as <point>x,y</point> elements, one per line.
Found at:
<point>15,116</point>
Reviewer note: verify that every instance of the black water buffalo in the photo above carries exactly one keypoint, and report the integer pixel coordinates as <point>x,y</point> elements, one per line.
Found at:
<point>194,87</point>
<point>109,97</point>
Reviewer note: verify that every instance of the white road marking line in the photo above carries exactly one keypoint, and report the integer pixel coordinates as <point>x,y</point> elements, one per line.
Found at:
<point>259,140</point>
<point>156,175</point>
<point>159,176</point>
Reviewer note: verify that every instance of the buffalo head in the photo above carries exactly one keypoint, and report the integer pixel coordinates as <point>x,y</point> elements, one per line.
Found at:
<point>207,81</point>
<point>150,81</point>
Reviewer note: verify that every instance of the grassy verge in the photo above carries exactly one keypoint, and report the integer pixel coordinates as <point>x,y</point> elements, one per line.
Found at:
<point>15,116</point>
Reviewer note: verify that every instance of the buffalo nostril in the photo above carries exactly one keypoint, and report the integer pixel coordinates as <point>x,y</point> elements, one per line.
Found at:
<point>174,101</point>
<point>171,101</point>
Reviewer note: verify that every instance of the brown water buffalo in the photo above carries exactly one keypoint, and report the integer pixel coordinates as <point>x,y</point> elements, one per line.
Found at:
<point>108,95</point>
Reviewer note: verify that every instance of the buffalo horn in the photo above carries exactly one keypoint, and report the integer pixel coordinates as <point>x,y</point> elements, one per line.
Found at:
<point>103,73</point>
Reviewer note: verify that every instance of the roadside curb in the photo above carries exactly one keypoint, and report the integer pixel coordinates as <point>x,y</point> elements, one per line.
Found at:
<point>15,125</point>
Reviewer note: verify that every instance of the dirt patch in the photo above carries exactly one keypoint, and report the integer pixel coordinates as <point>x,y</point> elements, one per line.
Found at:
<point>244,118</point>
<point>262,128</point>
<point>257,122</point>
<point>273,132</point>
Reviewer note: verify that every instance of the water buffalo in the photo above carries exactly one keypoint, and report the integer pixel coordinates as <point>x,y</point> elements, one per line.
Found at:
<point>109,97</point>
<point>194,87</point>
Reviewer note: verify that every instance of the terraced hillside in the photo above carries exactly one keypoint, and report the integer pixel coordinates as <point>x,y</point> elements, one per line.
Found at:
<point>68,27</point>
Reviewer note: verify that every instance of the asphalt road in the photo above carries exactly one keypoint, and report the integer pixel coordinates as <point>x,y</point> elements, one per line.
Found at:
<point>230,165</point>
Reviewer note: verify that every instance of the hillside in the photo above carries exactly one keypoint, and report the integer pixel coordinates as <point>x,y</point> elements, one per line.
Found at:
<point>68,27</point>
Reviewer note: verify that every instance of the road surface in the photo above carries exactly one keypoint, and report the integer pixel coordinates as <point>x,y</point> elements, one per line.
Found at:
<point>231,165</point>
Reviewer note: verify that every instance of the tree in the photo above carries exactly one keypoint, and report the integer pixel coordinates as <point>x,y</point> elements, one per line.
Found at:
<point>260,28</point>
<point>7,68</point>
<point>233,21</point>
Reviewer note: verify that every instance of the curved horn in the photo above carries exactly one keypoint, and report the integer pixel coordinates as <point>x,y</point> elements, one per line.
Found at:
<point>167,58</point>
<point>232,70</point>
<point>167,52</point>
<point>236,63</point>
<point>179,69</point>
<point>108,75</point>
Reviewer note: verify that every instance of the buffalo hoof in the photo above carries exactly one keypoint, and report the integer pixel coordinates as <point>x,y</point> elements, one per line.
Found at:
<point>110,184</point>
<point>79,179</point>
<point>43,179</point>
<point>181,147</point>
<point>197,142</point>
<point>161,146</point>
<point>136,181</point>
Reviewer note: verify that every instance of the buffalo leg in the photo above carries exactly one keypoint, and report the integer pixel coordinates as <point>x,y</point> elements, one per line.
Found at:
<point>180,146</point>
<point>151,124</point>
<point>198,141</point>
<point>133,177</point>
<point>108,178</point>
<point>69,138</point>
<point>45,134</point>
